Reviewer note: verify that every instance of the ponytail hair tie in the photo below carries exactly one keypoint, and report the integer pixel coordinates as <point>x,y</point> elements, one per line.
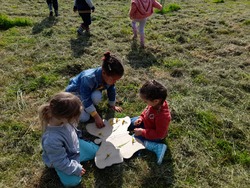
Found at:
<point>106,56</point>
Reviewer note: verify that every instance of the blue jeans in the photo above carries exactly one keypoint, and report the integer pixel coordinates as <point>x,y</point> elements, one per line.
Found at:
<point>87,152</point>
<point>96,97</point>
<point>142,23</point>
<point>132,127</point>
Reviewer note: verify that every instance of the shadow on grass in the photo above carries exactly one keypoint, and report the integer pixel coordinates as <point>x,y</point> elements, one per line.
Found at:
<point>140,57</point>
<point>79,44</point>
<point>109,177</point>
<point>45,23</point>
<point>49,179</point>
<point>160,175</point>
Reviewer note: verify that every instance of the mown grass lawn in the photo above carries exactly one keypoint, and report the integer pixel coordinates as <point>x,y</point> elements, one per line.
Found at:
<point>200,52</point>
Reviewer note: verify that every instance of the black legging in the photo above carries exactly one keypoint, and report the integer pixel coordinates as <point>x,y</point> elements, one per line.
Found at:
<point>54,3</point>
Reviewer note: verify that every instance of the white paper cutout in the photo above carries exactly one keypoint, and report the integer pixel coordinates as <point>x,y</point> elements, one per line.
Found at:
<point>116,143</point>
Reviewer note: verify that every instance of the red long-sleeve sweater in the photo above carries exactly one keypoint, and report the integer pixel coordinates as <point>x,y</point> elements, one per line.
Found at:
<point>156,122</point>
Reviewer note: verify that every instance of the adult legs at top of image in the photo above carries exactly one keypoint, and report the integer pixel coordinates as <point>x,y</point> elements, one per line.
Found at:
<point>87,152</point>
<point>96,97</point>
<point>53,4</point>
<point>142,24</point>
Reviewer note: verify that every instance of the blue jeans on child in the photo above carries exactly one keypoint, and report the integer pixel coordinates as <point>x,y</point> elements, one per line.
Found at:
<point>96,97</point>
<point>132,127</point>
<point>87,152</point>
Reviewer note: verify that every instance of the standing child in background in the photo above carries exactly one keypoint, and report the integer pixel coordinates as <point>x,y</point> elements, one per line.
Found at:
<point>53,4</point>
<point>140,10</point>
<point>152,125</point>
<point>88,85</point>
<point>84,8</point>
<point>62,149</point>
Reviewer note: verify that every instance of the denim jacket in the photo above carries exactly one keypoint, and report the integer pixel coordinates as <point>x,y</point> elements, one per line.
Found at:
<point>61,149</point>
<point>88,81</point>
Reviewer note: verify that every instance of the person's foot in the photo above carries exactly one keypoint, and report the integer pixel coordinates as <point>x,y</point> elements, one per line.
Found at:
<point>143,46</point>
<point>50,13</point>
<point>87,29</point>
<point>80,30</point>
<point>56,13</point>
<point>134,37</point>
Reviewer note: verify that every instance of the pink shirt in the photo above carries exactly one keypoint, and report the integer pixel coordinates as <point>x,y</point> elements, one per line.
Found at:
<point>141,9</point>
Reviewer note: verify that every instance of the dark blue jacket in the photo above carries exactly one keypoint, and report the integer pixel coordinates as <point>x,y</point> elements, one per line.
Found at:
<point>83,5</point>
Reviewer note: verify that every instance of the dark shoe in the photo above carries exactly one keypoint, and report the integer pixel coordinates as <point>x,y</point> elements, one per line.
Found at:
<point>51,13</point>
<point>80,31</point>
<point>56,13</point>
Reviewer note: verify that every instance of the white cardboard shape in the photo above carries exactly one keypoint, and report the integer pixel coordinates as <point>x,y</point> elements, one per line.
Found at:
<point>115,138</point>
<point>107,155</point>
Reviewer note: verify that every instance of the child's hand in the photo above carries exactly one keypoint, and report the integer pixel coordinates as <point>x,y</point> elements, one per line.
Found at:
<point>98,121</point>
<point>137,122</point>
<point>93,9</point>
<point>83,171</point>
<point>116,108</point>
<point>138,131</point>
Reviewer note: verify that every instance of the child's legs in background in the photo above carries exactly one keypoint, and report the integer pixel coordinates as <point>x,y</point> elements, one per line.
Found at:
<point>55,5</point>
<point>86,18</point>
<point>68,180</point>
<point>87,150</point>
<point>142,24</point>
<point>49,2</point>
<point>134,27</point>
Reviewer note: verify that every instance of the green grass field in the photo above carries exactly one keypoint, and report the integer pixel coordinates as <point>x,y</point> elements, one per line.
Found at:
<point>200,52</point>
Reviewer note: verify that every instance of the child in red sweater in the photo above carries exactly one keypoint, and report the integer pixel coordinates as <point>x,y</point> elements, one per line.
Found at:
<point>152,125</point>
<point>140,10</point>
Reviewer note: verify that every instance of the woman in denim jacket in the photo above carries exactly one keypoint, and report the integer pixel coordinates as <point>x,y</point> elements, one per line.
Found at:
<point>89,84</point>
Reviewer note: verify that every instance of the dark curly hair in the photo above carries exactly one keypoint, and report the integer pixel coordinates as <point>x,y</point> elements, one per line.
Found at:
<point>112,65</point>
<point>152,90</point>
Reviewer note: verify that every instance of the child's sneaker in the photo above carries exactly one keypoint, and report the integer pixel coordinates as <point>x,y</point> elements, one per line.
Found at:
<point>134,37</point>
<point>80,30</point>
<point>87,29</point>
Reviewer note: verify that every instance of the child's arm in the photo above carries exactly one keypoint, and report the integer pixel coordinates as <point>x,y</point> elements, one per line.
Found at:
<point>160,131</point>
<point>59,160</point>
<point>132,11</point>
<point>157,5</point>
<point>115,108</point>
<point>89,2</point>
